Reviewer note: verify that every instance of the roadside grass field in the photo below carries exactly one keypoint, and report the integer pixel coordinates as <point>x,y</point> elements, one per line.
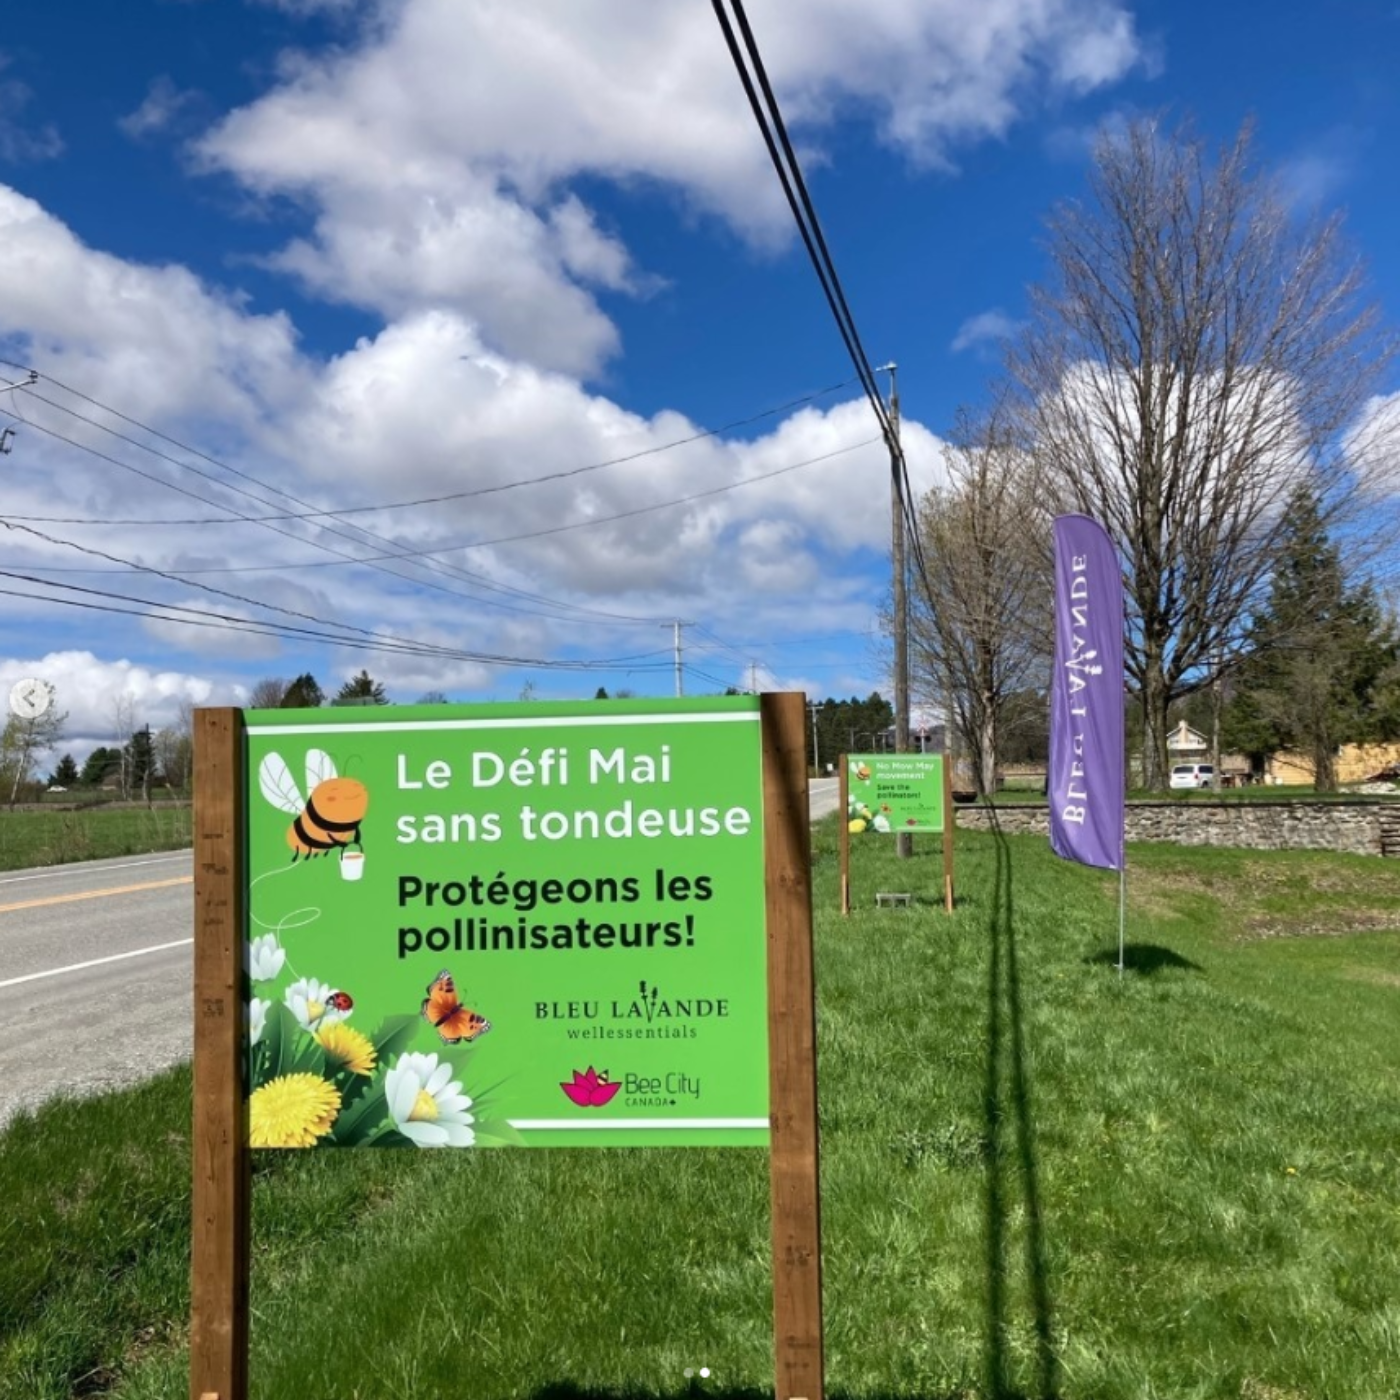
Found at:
<point>30,837</point>
<point>1040,1178</point>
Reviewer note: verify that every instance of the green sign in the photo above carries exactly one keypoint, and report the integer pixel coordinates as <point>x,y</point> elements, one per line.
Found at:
<point>534,924</point>
<point>894,792</point>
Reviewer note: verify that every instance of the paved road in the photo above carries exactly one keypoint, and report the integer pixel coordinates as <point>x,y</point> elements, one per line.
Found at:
<point>823,794</point>
<point>95,969</point>
<point>94,975</point>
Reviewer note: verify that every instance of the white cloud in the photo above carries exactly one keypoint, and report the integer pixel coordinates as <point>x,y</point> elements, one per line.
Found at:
<point>433,153</point>
<point>20,141</point>
<point>153,339</point>
<point>1372,448</point>
<point>984,329</point>
<point>436,154</point>
<point>88,689</point>
<point>162,104</point>
<point>1318,171</point>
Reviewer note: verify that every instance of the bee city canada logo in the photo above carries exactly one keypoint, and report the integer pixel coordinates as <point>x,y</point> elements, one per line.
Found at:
<point>593,1088</point>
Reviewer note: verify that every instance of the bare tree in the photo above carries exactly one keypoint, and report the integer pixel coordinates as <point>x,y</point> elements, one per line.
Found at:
<point>124,726</point>
<point>21,743</point>
<point>980,633</point>
<point>174,747</point>
<point>1199,355</point>
<point>268,693</point>
<point>173,755</point>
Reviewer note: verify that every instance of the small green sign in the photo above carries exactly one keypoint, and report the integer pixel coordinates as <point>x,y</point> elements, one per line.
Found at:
<point>895,792</point>
<point>537,924</point>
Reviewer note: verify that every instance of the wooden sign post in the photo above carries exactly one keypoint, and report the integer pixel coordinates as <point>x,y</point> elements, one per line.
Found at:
<point>792,1054</point>
<point>220,1235</point>
<point>220,1224</point>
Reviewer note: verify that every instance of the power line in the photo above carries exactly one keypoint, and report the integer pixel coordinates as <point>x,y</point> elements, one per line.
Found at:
<point>200,617</point>
<point>513,539</point>
<point>769,118</point>
<point>562,609</point>
<point>447,569</point>
<point>128,565</point>
<point>337,512</point>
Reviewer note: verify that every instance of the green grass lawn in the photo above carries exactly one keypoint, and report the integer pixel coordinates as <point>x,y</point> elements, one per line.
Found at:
<point>1039,1178</point>
<point>30,837</point>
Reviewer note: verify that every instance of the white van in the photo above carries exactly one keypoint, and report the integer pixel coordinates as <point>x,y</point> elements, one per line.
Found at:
<point>1193,775</point>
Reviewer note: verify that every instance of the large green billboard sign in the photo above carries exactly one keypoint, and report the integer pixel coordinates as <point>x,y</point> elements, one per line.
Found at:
<point>895,792</point>
<point>539,924</point>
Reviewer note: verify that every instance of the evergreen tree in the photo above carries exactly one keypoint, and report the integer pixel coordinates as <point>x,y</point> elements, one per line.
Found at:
<point>1322,660</point>
<point>848,726</point>
<point>303,694</point>
<point>602,693</point>
<point>141,761</point>
<point>97,764</point>
<point>361,690</point>
<point>65,774</point>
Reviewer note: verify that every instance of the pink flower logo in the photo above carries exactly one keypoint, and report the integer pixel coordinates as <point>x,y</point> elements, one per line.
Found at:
<point>590,1090</point>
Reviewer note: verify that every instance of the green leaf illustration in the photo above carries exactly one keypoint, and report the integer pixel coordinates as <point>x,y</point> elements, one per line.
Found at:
<point>363,1118</point>
<point>497,1132</point>
<point>291,1050</point>
<point>393,1036</point>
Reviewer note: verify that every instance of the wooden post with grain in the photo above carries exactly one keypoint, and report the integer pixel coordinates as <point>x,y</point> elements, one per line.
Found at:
<point>219,1152</point>
<point>792,1058</point>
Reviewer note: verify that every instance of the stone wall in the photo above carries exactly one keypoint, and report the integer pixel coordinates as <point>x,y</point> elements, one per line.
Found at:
<point>1266,826</point>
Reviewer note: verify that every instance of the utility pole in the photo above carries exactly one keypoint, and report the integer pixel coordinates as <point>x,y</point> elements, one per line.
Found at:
<point>676,644</point>
<point>904,843</point>
<point>816,752</point>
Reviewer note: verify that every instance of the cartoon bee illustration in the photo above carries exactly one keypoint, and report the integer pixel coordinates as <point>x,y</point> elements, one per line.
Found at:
<point>443,1009</point>
<point>329,818</point>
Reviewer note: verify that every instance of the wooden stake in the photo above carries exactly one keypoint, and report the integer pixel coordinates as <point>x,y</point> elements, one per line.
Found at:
<point>792,1062</point>
<point>220,1224</point>
<point>947,834</point>
<point>843,817</point>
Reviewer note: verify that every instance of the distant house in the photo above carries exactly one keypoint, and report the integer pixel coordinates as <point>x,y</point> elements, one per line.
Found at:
<point>1187,745</point>
<point>1355,763</point>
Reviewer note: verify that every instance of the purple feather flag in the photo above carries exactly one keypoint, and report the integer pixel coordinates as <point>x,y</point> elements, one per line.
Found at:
<point>1086,780</point>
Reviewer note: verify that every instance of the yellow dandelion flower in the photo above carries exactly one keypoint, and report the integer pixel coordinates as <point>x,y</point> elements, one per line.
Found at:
<point>292,1111</point>
<point>347,1048</point>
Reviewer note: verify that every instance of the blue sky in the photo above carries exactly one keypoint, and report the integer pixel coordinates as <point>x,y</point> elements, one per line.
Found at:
<point>376,252</point>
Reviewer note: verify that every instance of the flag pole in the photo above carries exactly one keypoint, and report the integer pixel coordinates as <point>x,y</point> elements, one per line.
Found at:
<point>1122,907</point>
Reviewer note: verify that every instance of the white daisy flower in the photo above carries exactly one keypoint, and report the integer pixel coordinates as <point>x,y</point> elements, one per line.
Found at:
<point>881,822</point>
<point>257,1018</point>
<point>265,958</point>
<point>309,1001</point>
<point>427,1104</point>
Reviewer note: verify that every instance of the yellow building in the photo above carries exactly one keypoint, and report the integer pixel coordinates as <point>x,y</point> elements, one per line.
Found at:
<point>1355,763</point>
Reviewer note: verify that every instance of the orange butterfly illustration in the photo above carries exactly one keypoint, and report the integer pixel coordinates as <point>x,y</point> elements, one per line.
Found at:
<point>443,1008</point>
